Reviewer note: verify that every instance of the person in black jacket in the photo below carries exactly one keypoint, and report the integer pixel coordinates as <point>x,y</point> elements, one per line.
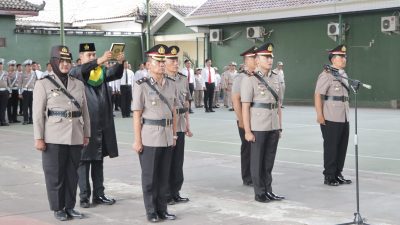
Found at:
<point>103,141</point>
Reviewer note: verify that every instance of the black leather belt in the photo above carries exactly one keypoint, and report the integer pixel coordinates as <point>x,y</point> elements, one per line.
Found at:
<point>337,98</point>
<point>264,105</point>
<point>163,122</point>
<point>182,110</point>
<point>66,114</point>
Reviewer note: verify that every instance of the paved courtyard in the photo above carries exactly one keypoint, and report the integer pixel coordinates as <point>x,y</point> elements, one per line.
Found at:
<point>212,176</point>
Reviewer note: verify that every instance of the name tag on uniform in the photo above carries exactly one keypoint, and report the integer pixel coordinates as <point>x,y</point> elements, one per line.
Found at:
<point>152,93</point>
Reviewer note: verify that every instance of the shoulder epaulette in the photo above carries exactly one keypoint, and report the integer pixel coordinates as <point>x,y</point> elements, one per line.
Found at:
<point>273,72</point>
<point>168,77</point>
<point>141,81</point>
<point>48,75</point>
<point>179,73</point>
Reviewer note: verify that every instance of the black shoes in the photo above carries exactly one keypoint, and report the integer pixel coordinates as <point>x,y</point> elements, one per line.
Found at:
<point>331,181</point>
<point>207,110</point>
<point>191,111</point>
<point>103,200</point>
<point>74,214</point>
<point>4,124</point>
<point>30,122</point>
<point>166,216</point>
<point>336,181</point>
<point>61,215</point>
<point>231,109</point>
<point>25,123</point>
<point>211,110</point>
<point>262,198</point>
<point>153,217</point>
<point>273,196</point>
<point>84,203</point>
<point>177,199</point>
<point>342,180</point>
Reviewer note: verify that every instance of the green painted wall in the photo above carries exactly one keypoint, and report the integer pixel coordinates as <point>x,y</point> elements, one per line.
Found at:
<point>37,47</point>
<point>302,45</point>
<point>174,26</point>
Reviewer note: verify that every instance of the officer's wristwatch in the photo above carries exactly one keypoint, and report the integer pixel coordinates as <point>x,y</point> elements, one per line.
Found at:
<point>175,137</point>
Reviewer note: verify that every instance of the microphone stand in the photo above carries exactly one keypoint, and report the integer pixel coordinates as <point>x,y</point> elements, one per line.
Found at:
<point>354,85</point>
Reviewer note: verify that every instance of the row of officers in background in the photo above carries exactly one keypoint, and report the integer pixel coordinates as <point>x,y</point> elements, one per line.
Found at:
<point>16,85</point>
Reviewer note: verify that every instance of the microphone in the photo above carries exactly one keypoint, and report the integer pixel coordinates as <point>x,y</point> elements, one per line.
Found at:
<point>367,86</point>
<point>335,72</point>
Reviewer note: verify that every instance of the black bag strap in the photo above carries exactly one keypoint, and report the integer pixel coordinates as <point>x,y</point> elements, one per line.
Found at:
<point>162,98</point>
<point>268,87</point>
<point>64,91</point>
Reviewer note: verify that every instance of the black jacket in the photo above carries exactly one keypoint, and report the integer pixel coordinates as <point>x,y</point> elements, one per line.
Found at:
<point>103,140</point>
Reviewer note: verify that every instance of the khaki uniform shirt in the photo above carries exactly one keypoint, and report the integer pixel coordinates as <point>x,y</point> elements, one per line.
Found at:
<point>328,85</point>
<point>56,129</point>
<point>182,87</point>
<point>147,100</point>
<point>4,84</point>
<point>230,78</point>
<point>237,83</point>
<point>252,90</point>
<point>15,80</point>
<point>28,82</point>
<point>198,83</point>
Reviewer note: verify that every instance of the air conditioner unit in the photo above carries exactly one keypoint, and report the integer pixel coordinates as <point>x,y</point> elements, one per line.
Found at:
<point>255,32</point>
<point>215,35</point>
<point>333,29</point>
<point>390,24</point>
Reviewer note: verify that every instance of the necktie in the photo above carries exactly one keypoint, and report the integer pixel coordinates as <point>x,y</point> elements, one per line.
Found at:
<point>209,75</point>
<point>188,75</point>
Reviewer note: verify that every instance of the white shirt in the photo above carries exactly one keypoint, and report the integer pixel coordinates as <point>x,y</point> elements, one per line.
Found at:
<point>217,82</point>
<point>205,73</point>
<point>127,77</point>
<point>185,71</point>
<point>39,74</point>
<point>140,74</point>
<point>116,85</point>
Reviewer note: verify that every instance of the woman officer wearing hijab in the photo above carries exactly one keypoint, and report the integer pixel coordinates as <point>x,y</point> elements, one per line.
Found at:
<point>61,128</point>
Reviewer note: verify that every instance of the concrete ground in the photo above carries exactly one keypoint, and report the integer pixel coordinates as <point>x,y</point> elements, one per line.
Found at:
<point>212,176</point>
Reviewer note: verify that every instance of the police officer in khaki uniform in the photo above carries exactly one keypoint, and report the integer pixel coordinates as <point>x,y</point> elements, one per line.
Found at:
<point>4,94</point>
<point>332,106</point>
<point>154,123</point>
<point>262,120</point>
<point>182,124</point>
<point>61,128</point>
<point>230,75</point>
<point>27,85</point>
<point>249,57</point>
<point>14,79</point>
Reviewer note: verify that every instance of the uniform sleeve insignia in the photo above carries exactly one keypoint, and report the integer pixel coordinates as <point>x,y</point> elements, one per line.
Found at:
<point>141,81</point>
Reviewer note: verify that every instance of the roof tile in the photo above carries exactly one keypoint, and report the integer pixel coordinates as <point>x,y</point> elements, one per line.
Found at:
<point>211,7</point>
